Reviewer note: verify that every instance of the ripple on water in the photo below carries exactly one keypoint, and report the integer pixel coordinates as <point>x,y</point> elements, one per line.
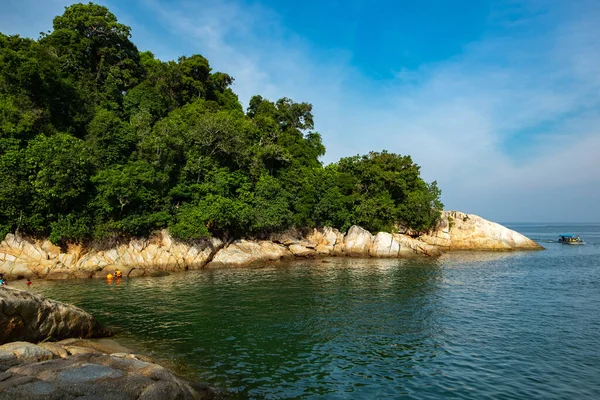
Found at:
<point>499,325</point>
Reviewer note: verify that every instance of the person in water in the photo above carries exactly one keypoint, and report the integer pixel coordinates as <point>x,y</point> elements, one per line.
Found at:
<point>118,274</point>
<point>28,282</point>
<point>109,277</point>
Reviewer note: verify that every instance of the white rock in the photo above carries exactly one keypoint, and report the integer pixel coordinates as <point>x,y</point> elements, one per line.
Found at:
<point>460,231</point>
<point>357,242</point>
<point>384,246</point>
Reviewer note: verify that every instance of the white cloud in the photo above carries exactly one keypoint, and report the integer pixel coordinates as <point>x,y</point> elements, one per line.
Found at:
<point>464,120</point>
<point>454,117</point>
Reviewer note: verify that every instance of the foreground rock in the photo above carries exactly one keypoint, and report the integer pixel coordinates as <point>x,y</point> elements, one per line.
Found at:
<point>83,369</point>
<point>30,317</point>
<point>460,231</point>
<point>21,258</point>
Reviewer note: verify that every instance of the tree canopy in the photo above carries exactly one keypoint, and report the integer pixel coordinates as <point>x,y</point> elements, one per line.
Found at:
<point>99,140</point>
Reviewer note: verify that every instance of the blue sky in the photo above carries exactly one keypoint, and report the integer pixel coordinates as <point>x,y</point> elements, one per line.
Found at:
<point>499,101</point>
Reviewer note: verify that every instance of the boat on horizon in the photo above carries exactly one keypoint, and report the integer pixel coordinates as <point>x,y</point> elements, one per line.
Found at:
<point>569,238</point>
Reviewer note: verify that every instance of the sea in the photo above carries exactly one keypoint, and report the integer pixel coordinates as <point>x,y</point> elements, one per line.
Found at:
<point>467,325</point>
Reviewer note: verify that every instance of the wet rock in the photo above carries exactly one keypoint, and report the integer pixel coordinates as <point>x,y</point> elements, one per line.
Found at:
<point>136,272</point>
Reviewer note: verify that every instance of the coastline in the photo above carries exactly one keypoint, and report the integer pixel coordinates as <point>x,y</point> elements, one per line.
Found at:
<point>456,231</point>
<point>484,277</point>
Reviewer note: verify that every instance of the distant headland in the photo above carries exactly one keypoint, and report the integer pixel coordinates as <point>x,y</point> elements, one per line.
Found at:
<point>27,258</point>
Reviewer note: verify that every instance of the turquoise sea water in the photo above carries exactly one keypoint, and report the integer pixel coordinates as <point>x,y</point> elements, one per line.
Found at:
<point>467,325</point>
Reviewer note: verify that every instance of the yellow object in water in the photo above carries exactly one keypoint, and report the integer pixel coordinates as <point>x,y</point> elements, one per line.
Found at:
<point>109,276</point>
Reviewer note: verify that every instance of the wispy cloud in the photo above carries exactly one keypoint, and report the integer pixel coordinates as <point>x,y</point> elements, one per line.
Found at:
<point>509,126</point>
<point>512,116</point>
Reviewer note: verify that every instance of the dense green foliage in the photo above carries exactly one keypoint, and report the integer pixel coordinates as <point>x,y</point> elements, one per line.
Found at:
<point>99,140</point>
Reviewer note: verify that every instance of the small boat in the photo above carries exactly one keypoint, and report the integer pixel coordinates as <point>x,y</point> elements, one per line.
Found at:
<point>569,238</point>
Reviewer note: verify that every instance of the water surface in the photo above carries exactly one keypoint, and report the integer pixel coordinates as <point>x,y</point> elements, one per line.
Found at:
<point>467,325</point>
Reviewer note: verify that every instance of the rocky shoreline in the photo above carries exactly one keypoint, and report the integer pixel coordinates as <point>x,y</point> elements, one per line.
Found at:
<point>33,365</point>
<point>47,348</point>
<point>26,258</point>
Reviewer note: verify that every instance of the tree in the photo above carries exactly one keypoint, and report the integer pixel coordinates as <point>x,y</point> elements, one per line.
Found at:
<point>98,140</point>
<point>95,48</point>
<point>129,199</point>
<point>59,174</point>
<point>390,192</point>
<point>111,140</point>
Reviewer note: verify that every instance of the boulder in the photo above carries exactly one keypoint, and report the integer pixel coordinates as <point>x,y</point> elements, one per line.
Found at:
<point>287,237</point>
<point>325,240</point>
<point>136,272</point>
<point>410,246</point>
<point>19,268</point>
<point>273,251</point>
<point>23,352</point>
<point>31,371</point>
<point>301,251</point>
<point>384,246</point>
<point>357,242</point>
<point>243,253</point>
<point>460,231</point>
<point>30,317</point>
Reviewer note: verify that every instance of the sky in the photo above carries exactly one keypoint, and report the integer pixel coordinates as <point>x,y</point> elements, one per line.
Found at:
<point>499,101</point>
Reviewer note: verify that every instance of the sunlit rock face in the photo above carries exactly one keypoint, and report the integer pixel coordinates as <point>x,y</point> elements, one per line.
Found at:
<point>325,240</point>
<point>384,246</point>
<point>357,242</point>
<point>26,258</point>
<point>247,252</point>
<point>21,257</point>
<point>31,317</point>
<point>460,231</point>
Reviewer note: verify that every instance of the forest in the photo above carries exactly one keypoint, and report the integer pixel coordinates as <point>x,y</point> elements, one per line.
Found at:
<point>101,141</point>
